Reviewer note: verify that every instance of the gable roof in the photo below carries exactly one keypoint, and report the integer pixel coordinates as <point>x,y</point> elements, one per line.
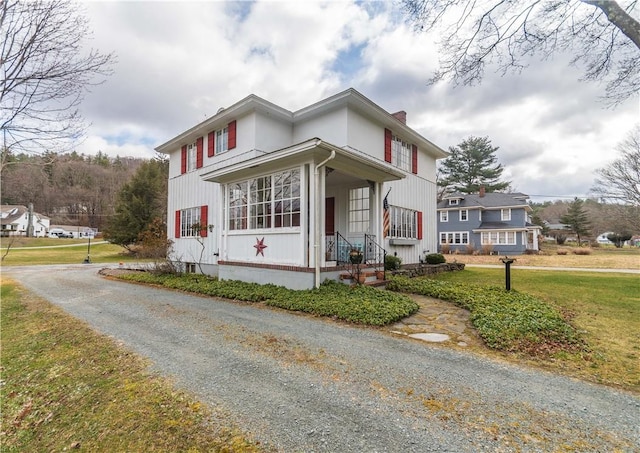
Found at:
<point>490,200</point>
<point>11,213</point>
<point>349,97</point>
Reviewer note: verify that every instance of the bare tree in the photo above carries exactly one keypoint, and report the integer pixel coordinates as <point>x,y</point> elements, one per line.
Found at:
<point>600,34</point>
<point>45,74</point>
<point>620,180</point>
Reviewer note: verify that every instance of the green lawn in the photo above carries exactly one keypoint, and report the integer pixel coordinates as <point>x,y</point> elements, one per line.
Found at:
<point>42,251</point>
<point>606,306</point>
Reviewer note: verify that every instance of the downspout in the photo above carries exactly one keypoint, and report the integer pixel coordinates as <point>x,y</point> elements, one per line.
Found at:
<point>316,227</point>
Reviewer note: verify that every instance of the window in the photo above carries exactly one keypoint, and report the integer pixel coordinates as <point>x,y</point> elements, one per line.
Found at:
<point>266,202</point>
<point>238,204</point>
<point>460,238</point>
<point>192,152</point>
<point>454,202</point>
<point>190,222</point>
<point>464,215</point>
<point>286,195</point>
<point>444,216</point>
<point>222,140</point>
<point>260,203</point>
<point>359,210</point>
<point>505,214</point>
<point>400,153</point>
<point>498,238</point>
<point>404,223</point>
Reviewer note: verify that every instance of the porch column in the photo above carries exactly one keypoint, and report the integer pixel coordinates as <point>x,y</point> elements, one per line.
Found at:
<point>318,201</point>
<point>377,212</point>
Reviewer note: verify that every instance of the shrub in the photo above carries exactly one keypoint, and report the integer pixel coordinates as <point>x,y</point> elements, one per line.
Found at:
<point>435,258</point>
<point>562,252</point>
<point>582,251</point>
<point>470,248</point>
<point>445,248</point>
<point>362,305</point>
<point>487,249</point>
<point>392,262</point>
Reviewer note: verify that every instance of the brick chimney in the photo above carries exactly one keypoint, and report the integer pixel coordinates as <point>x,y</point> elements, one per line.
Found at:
<point>401,116</point>
<point>481,191</point>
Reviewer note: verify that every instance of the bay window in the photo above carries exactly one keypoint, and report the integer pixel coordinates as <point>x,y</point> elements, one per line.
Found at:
<point>403,223</point>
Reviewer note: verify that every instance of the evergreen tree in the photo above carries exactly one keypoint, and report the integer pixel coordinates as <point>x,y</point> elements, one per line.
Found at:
<point>140,202</point>
<point>472,164</point>
<point>576,219</point>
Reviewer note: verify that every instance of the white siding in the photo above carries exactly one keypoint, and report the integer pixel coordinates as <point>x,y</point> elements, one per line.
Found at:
<point>272,134</point>
<point>331,128</point>
<point>365,135</point>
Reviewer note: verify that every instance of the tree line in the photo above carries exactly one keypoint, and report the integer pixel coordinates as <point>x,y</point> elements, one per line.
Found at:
<point>71,188</point>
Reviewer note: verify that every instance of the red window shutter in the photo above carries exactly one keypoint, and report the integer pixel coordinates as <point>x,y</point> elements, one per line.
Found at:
<point>204,220</point>
<point>183,160</point>
<point>211,143</point>
<point>177,225</point>
<point>419,225</point>
<point>232,134</point>
<point>414,159</point>
<point>199,152</point>
<point>387,145</point>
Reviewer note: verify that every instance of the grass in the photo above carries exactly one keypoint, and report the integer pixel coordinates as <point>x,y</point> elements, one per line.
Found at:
<point>35,251</point>
<point>605,307</point>
<point>65,387</point>
<point>601,257</point>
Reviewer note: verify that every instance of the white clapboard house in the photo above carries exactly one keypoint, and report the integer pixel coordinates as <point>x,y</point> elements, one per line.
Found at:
<point>263,194</point>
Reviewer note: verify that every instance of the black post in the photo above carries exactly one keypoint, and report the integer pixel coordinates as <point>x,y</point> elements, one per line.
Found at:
<point>88,259</point>
<point>507,271</point>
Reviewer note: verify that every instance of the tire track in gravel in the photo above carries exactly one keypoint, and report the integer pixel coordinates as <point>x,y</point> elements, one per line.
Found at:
<point>297,383</point>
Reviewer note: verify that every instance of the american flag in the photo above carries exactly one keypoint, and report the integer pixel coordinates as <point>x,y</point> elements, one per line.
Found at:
<point>386,223</point>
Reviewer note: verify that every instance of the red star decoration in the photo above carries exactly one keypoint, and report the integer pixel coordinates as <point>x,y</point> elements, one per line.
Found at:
<point>260,246</point>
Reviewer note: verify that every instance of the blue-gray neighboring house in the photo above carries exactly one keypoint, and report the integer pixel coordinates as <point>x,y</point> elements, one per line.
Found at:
<point>499,223</point>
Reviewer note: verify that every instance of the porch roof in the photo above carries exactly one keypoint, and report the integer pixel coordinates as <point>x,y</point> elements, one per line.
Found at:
<point>351,161</point>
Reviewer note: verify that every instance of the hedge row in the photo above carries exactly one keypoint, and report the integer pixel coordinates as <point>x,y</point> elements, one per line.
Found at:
<point>360,304</point>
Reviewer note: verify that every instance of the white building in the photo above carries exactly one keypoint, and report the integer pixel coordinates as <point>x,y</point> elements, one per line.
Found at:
<point>259,193</point>
<point>15,222</point>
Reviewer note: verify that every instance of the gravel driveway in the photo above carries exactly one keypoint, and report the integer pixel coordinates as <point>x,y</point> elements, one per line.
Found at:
<point>297,383</point>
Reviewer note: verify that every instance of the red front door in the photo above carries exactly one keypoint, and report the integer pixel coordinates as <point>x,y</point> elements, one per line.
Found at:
<point>329,216</point>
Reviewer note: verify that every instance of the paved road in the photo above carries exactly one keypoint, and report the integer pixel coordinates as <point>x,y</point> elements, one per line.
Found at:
<point>297,383</point>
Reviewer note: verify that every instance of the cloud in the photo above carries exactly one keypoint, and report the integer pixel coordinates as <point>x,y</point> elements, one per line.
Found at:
<point>179,62</point>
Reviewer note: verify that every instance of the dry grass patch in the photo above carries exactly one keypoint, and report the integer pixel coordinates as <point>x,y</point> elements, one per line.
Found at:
<point>66,387</point>
<point>604,258</point>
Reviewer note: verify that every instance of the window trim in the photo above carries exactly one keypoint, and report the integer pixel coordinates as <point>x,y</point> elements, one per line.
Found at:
<point>192,156</point>
<point>466,217</point>
<point>510,237</point>
<point>409,226</point>
<point>359,220</point>
<point>450,237</point>
<point>505,214</point>
<point>192,215</point>
<point>444,216</point>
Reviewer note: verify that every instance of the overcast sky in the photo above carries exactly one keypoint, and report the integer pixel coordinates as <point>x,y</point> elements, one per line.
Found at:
<point>178,63</point>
